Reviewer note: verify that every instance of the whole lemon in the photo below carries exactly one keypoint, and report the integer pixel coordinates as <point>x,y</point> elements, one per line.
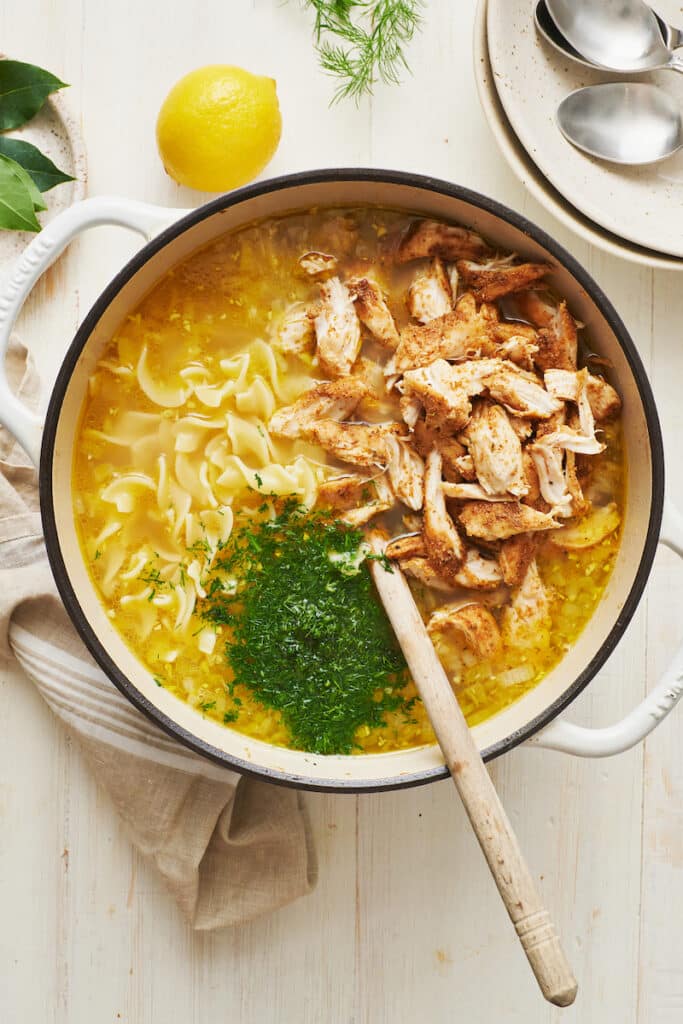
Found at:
<point>218,127</point>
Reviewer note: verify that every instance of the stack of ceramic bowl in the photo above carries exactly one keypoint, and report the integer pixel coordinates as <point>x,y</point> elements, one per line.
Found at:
<point>632,212</point>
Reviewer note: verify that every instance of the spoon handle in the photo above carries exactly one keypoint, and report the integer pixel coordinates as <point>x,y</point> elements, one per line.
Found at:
<point>481,801</point>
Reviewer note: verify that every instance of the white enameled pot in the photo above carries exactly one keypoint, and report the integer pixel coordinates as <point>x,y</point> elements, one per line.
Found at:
<point>171,236</point>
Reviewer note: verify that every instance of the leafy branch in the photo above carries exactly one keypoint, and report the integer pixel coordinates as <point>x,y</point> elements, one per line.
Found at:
<point>370,40</point>
<point>25,172</point>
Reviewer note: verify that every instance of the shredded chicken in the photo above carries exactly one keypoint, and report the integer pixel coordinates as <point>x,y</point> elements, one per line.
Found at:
<point>345,492</point>
<point>295,332</point>
<point>429,296</point>
<point>426,438</point>
<point>411,410</point>
<point>332,400</point>
<point>445,391</point>
<point>445,548</point>
<point>476,624</point>
<point>478,572</point>
<point>405,470</point>
<point>459,335</point>
<point>315,263</point>
<point>498,277</point>
<point>549,464</point>
<point>516,555</point>
<point>557,335</point>
<point>567,385</point>
<point>499,520</point>
<point>422,570</point>
<point>526,620</point>
<point>470,491</point>
<point>361,444</point>
<point>373,310</point>
<point>496,451</point>
<point>337,329</point>
<point>426,238</point>
<point>521,393</point>
<point>410,546</point>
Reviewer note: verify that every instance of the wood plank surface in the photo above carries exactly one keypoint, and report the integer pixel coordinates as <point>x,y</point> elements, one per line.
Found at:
<point>405,925</point>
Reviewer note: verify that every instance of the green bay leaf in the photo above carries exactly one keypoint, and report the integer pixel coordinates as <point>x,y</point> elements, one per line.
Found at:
<point>17,211</point>
<point>45,174</point>
<point>23,90</point>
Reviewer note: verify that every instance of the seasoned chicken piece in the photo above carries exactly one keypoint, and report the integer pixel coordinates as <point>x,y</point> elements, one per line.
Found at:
<point>574,441</point>
<point>376,493</point>
<point>453,279</point>
<point>410,546</point>
<point>444,544</point>
<point>478,572</point>
<point>474,622</point>
<point>337,329</point>
<point>430,238</point>
<point>496,451</point>
<point>406,471</point>
<point>490,281</point>
<point>516,555</point>
<point>526,620</point>
<point>580,504</point>
<point>346,492</point>
<point>426,438</point>
<point>294,333</point>
<point>522,427</point>
<point>369,373</point>
<point>533,497</point>
<point>314,263</point>
<point>553,423</point>
<point>548,461</point>
<point>355,517</point>
<point>429,296</point>
<point>465,466</point>
<point>520,393</point>
<point>518,349</point>
<point>470,492</point>
<point>373,310</point>
<point>500,520</point>
<point>558,331</point>
<point>361,444</point>
<point>411,410</point>
<point>332,400</point>
<point>422,570</point>
<point>567,384</point>
<point>459,334</point>
<point>445,390</point>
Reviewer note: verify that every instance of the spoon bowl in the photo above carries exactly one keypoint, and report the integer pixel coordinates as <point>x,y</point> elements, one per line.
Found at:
<point>615,35</point>
<point>549,32</point>
<point>623,122</point>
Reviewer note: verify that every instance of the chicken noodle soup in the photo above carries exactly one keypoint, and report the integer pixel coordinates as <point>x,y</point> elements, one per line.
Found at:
<point>383,372</point>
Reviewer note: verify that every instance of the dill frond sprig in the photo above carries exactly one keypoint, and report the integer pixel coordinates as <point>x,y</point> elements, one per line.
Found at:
<point>372,36</point>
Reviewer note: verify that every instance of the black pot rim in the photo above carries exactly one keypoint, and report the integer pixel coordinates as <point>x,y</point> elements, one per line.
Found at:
<point>82,335</point>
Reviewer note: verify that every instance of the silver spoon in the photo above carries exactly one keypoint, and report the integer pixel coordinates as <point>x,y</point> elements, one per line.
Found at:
<point>548,30</point>
<point>618,35</point>
<point>624,122</point>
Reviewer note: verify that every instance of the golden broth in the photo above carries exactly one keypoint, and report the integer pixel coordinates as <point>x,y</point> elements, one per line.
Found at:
<point>173,441</point>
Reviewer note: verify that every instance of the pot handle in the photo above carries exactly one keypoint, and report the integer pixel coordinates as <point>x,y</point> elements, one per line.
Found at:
<point>614,739</point>
<point>148,220</point>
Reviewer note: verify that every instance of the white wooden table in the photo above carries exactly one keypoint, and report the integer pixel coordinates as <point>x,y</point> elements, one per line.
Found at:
<point>405,925</point>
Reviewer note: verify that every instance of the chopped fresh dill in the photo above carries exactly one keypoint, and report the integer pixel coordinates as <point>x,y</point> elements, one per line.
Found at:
<point>98,554</point>
<point>258,480</point>
<point>230,716</point>
<point>208,705</point>
<point>307,635</point>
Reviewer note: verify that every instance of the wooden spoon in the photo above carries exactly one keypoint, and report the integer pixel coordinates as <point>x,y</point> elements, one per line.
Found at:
<point>490,823</point>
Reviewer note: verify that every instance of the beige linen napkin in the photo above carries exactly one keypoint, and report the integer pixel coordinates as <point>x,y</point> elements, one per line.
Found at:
<point>228,847</point>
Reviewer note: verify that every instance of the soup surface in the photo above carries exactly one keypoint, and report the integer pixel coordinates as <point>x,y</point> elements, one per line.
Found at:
<point>383,372</point>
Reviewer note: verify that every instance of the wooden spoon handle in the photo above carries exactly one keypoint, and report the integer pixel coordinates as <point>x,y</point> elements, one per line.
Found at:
<point>490,823</point>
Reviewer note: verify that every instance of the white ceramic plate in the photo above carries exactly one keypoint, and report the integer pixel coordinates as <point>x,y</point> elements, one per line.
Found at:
<point>526,171</point>
<point>643,205</point>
